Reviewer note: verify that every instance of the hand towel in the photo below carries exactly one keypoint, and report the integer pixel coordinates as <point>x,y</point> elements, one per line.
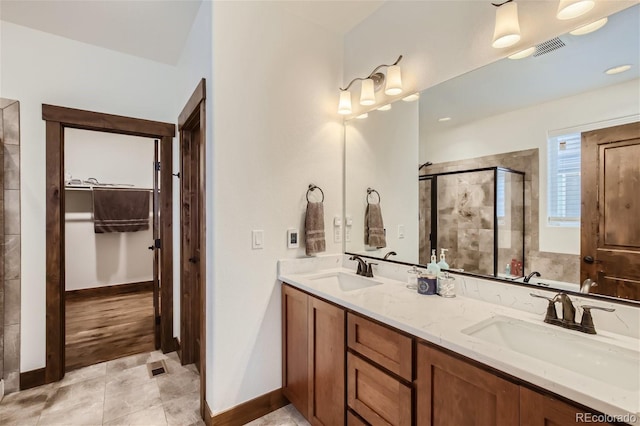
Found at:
<point>374,227</point>
<point>120,210</point>
<point>314,228</point>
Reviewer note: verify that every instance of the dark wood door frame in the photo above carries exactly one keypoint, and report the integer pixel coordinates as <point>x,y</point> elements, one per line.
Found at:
<point>191,121</point>
<point>57,119</point>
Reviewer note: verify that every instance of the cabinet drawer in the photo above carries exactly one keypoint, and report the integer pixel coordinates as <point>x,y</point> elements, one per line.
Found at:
<point>381,345</point>
<point>377,397</point>
<point>353,420</point>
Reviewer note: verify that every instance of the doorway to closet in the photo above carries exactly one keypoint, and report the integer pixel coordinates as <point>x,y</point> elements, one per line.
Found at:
<point>111,260</point>
<point>62,126</point>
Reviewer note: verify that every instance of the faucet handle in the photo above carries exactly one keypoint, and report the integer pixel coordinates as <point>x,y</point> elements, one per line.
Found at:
<point>587,320</point>
<point>589,307</point>
<point>551,307</point>
<point>370,269</point>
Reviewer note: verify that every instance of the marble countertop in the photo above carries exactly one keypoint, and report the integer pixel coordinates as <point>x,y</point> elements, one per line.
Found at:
<point>440,321</point>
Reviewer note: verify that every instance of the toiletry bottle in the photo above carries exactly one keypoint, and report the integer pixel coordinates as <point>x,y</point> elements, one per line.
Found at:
<point>443,262</point>
<point>433,267</point>
<point>412,278</point>
<point>507,270</point>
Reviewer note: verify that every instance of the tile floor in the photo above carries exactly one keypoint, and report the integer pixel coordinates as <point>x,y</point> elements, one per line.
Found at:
<point>118,392</point>
<point>286,416</point>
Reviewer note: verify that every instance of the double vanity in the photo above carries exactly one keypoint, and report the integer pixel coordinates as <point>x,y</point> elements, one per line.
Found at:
<point>368,350</point>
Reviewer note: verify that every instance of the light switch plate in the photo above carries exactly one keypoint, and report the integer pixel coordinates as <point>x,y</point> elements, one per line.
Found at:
<point>257,239</point>
<point>293,238</point>
<point>400,232</point>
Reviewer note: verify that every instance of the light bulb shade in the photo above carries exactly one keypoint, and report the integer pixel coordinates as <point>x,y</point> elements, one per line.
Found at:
<point>367,95</point>
<point>507,30</point>
<point>569,9</point>
<point>344,106</point>
<point>589,28</point>
<point>394,81</point>
<point>523,53</point>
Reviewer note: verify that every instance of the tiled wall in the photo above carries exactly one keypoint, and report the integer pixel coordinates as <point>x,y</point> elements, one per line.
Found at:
<point>555,266</point>
<point>10,239</point>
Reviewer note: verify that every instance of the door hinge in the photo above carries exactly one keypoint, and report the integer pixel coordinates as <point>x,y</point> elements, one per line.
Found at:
<point>156,165</point>
<point>157,244</point>
<point>158,320</point>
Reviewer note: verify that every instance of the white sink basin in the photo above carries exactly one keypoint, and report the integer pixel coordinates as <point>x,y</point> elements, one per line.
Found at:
<point>610,364</point>
<point>344,281</point>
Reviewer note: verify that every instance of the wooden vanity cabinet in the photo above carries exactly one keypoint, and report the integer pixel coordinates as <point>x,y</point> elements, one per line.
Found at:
<point>313,356</point>
<point>450,391</point>
<point>537,409</point>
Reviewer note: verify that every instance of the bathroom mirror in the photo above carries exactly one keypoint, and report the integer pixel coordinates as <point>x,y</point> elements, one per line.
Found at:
<point>506,114</point>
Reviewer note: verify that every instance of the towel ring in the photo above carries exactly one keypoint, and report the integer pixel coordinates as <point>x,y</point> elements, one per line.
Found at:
<point>313,187</point>
<point>369,191</point>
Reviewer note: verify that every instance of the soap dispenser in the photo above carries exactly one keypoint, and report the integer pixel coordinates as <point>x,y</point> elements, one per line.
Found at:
<point>433,267</point>
<point>443,263</point>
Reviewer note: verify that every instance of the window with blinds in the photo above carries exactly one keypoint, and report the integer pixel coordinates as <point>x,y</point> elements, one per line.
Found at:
<point>563,180</point>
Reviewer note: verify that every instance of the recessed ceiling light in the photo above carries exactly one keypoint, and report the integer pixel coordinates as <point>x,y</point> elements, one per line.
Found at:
<point>386,107</point>
<point>523,53</point>
<point>444,119</point>
<point>411,98</point>
<point>589,28</point>
<point>361,116</point>
<point>618,69</point>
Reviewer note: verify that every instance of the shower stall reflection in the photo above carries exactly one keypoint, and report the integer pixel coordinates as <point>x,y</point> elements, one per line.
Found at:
<point>478,216</point>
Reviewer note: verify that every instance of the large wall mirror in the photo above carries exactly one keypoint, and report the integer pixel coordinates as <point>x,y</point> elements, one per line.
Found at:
<point>488,166</point>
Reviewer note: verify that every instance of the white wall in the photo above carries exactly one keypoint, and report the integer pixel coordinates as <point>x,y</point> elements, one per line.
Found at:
<point>275,131</point>
<point>382,153</point>
<point>97,260</point>
<point>528,128</point>
<point>41,68</point>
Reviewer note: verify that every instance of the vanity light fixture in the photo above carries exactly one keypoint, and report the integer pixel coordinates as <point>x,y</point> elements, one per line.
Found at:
<point>363,116</point>
<point>569,9</point>
<point>386,107</point>
<point>618,69</point>
<point>412,97</point>
<point>371,84</point>
<point>589,28</point>
<point>523,53</point>
<point>507,29</point>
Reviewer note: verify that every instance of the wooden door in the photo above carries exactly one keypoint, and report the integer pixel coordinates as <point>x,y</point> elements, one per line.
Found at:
<point>450,391</point>
<point>542,410</point>
<point>610,225</point>
<point>295,348</point>
<point>154,244</point>
<point>326,363</point>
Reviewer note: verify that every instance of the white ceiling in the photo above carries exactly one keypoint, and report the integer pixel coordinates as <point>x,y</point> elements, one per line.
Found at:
<point>508,84</point>
<point>156,29</point>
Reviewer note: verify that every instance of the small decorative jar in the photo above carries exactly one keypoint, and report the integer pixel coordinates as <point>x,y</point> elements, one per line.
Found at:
<point>447,285</point>
<point>427,283</point>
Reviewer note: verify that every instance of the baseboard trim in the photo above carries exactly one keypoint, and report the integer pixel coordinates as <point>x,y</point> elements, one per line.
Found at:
<point>248,411</point>
<point>208,415</point>
<point>110,290</point>
<point>31,379</point>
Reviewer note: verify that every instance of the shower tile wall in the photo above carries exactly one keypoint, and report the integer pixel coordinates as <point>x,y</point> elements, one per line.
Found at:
<point>557,266</point>
<point>10,241</point>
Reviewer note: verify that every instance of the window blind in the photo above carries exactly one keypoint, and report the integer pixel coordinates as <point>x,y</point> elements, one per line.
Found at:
<point>563,180</point>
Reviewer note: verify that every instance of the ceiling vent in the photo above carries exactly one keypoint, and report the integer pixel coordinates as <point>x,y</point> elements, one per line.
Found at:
<point>548,46</point>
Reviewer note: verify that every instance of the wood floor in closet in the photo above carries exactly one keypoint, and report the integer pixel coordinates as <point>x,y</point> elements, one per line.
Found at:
<point>102,328</point>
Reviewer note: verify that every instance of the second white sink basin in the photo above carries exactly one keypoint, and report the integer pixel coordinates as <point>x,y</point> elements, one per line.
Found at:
<point>344,281</point>
<point>606,363</point>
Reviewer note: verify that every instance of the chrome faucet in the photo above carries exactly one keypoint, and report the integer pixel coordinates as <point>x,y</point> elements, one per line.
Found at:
<point>586,285</point>
<point>362,265</point>
<point>391,253</point>
<point>531,275</point>
<point>569,313</point>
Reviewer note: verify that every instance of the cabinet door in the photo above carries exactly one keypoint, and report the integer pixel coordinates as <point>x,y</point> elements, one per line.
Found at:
<point>326,363</point>
<point>450,391</point>
<point>541,410</point>
<point>295,347</point>
<point>377,397</point>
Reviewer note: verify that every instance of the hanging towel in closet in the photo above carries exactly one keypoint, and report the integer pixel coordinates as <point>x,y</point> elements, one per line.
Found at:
<point>314,229</point>
<point>374,227</point>
<point>120,210</point>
